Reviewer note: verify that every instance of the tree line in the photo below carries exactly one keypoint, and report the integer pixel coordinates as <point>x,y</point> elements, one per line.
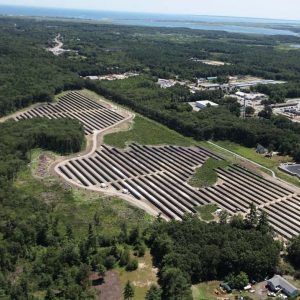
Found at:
<point>31,74</point>
<point>192,251</point>
<point>218,123</point>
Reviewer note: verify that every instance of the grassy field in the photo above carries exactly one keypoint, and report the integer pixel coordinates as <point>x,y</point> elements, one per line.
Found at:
<point>146,132</point>
<point>142,278</point>
<point>205,290</point>
<point>78,205</point>
<point>143,131</point>
<point>206,174</point>
<point>149,132</point>
<point>206,212</point>
<point>249,153</point>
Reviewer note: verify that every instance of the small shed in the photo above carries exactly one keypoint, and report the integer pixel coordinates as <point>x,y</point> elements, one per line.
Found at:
<point>261,149</point>
<point>226,287</point>
<point>278,283</point>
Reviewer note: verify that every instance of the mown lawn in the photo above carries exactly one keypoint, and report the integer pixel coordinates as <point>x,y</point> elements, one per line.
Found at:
<point>147,132</point>
<point>205,290</point>
<point>206,174</point>
<point>251,154</point>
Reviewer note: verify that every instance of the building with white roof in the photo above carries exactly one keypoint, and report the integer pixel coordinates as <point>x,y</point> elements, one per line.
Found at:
<point>205,103</point>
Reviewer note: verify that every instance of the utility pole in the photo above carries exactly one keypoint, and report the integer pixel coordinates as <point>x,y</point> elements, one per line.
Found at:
<point>244,107</point>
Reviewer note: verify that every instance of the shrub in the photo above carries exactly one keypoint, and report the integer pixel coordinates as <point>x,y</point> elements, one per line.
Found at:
<point>132,265</point>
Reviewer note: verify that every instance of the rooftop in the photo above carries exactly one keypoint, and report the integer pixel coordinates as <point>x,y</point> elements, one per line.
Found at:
<point>280,282</point>
<point>206,102</point>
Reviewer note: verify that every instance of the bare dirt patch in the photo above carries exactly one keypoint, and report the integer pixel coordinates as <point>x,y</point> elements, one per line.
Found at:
<point>43,165</point>
<point>107,288</point>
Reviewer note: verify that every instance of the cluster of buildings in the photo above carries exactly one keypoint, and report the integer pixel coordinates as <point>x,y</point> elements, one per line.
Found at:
<point>237,87</point>
<point>211,84</point>
<point>235,83</point>
<point>111,77</point>
<point>277,287</point>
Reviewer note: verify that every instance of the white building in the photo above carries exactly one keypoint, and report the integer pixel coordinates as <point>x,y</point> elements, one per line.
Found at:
<point>205,103</point>
<point>251,96</point>
<point>166,83</point>
<point>92,77</point>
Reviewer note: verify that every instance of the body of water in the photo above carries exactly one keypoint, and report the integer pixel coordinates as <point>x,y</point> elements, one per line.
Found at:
<point>230,24</point>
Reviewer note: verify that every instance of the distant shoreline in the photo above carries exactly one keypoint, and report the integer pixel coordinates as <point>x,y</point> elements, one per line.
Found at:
<point>253,19</point>
<point>240,25</point>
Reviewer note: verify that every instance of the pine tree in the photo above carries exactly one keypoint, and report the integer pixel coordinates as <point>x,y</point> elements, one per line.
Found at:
<point>125,257</point>
<point>91,241</point>
<point>128,291</point>
<point>251,218</point>
<point>223,217</point>
<point>154,293</point>
<point>124,233</point>
<point>263,223</point>
<point>101,270</point>
<point>134,235</point>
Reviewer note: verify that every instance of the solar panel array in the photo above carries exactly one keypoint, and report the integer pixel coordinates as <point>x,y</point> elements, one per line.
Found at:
<point>156,174</point>
<point>93,115</point>
<point>159,175</point>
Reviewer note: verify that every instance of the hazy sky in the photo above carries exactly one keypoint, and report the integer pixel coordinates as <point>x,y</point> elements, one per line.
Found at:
<point>280,9</point>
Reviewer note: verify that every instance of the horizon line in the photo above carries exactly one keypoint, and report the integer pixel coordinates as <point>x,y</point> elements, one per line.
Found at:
<point>151,13</point>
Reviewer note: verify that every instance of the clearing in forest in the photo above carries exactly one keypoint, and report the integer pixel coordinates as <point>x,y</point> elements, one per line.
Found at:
<point>173,178</point>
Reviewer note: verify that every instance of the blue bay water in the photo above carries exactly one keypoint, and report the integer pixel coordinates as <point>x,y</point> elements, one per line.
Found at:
<point>230,24</point>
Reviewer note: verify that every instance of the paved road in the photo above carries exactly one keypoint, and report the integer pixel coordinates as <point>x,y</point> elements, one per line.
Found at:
<point>243,158</point>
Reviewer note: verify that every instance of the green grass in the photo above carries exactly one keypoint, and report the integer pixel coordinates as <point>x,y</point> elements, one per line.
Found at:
<point>141,278</point>
<point>206,174</point>
<point>147,132</point>
<point>206,212</point>
<point>250,153</point>
<point>205,290</point>
<point>78,206</point>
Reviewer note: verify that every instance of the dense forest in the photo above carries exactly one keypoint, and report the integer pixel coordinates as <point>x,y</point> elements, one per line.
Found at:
<point>42,254</point>
<point>26,224</point>
<point>194,251</point>
<point>39,250</point>
<point>29,74</point>
<point>18,138</point>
